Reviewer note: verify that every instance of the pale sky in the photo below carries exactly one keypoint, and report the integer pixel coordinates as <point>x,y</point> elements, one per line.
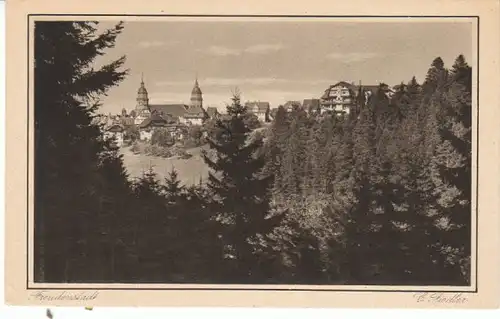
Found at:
<point>278,60</point>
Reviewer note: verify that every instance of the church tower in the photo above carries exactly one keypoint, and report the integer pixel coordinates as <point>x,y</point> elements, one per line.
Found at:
<point>142,97</point>
<point>142,106</point>
<point>196,95</point>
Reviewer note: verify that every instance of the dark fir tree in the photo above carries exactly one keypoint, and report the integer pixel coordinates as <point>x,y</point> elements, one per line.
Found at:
<point>451,169</point>
<point>436,77</point>
<point>277,135</point>
<point>413,90</point>
<point>461,73</point>
<point>173,187</point>
<point>241,193</point>
<point>75,204</point>
<point>293,165</point>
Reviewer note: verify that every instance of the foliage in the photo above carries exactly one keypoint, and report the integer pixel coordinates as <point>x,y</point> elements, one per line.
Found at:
<point>162,138</point>
<point>241,193</point>
<point>251,121</point>
<point>131,133</point>
<point>194,137</point>
<point>385,194</point>
<point>79,177</point>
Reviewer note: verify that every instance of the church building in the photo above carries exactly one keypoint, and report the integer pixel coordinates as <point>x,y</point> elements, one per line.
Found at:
<point>192,114</point>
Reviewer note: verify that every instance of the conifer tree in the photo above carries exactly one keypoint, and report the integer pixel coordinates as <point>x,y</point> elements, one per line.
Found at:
<point>274,146</point>
<point>293,166</point>
<point>332,130</point>
<point>277,135</point>
<point>360,103</point>
<point>173,187</point>
<point>436,77</point>
<point>241,194</point>
<point>351,209</point>
<point>315,148</point>
<point>413,90</point>
<point>461,73</point>
<point>152,230</point>
<point>451,169</point>
<point>74,203</point>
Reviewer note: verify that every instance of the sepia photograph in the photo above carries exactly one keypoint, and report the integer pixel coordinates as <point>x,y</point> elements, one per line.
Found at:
<point>259,156</point>
<point>253,152</point>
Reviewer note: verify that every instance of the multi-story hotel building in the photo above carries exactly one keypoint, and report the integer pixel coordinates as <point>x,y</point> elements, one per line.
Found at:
<point>342,97</point>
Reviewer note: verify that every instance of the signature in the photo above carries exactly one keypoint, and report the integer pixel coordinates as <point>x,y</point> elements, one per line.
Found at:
<point>441,298</point>
<point>64,295</point>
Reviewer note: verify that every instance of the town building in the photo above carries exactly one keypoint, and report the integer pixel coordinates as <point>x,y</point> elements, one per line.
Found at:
<point>166,122</point>
<point>212,113</point>
<point>260,109</point>
<point>291,106</point>
<point>177,131</point>
<point>311,106</point>
<point>148,116</point>
<point>195,115</point>
<point>176,111</point>
<point>147,127</point>
<point>126,119</point>
<point>115,131</point>
<point>342,97</point>
<point>370,90</point>
<point>339,98</point>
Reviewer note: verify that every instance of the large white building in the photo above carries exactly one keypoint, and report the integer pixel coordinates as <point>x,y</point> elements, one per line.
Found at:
<point>342,97</point>
<point>260,109</point>
<point>338,98</point>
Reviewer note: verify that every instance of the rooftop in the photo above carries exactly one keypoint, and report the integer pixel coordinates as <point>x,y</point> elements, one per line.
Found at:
<point>175,110</point>
<point>194,112</point>
<point>261,106</point>
<point>153,120</point>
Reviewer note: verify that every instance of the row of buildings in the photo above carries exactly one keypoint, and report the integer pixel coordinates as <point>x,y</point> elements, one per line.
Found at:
<point>145,117</point>
<point>339,98</point>
<point>175,118</point>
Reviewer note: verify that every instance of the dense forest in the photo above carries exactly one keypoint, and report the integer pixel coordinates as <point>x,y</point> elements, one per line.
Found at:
<point>381,196</point>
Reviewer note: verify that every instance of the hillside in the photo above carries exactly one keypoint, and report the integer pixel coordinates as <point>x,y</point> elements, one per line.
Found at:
<point>189,170</point>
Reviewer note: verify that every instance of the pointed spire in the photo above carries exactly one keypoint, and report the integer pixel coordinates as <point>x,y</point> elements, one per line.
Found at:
<point>142,78</point>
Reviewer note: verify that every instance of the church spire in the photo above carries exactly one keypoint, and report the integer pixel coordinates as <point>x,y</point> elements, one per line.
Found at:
<point>142,95</point>
<point>196,94</point>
